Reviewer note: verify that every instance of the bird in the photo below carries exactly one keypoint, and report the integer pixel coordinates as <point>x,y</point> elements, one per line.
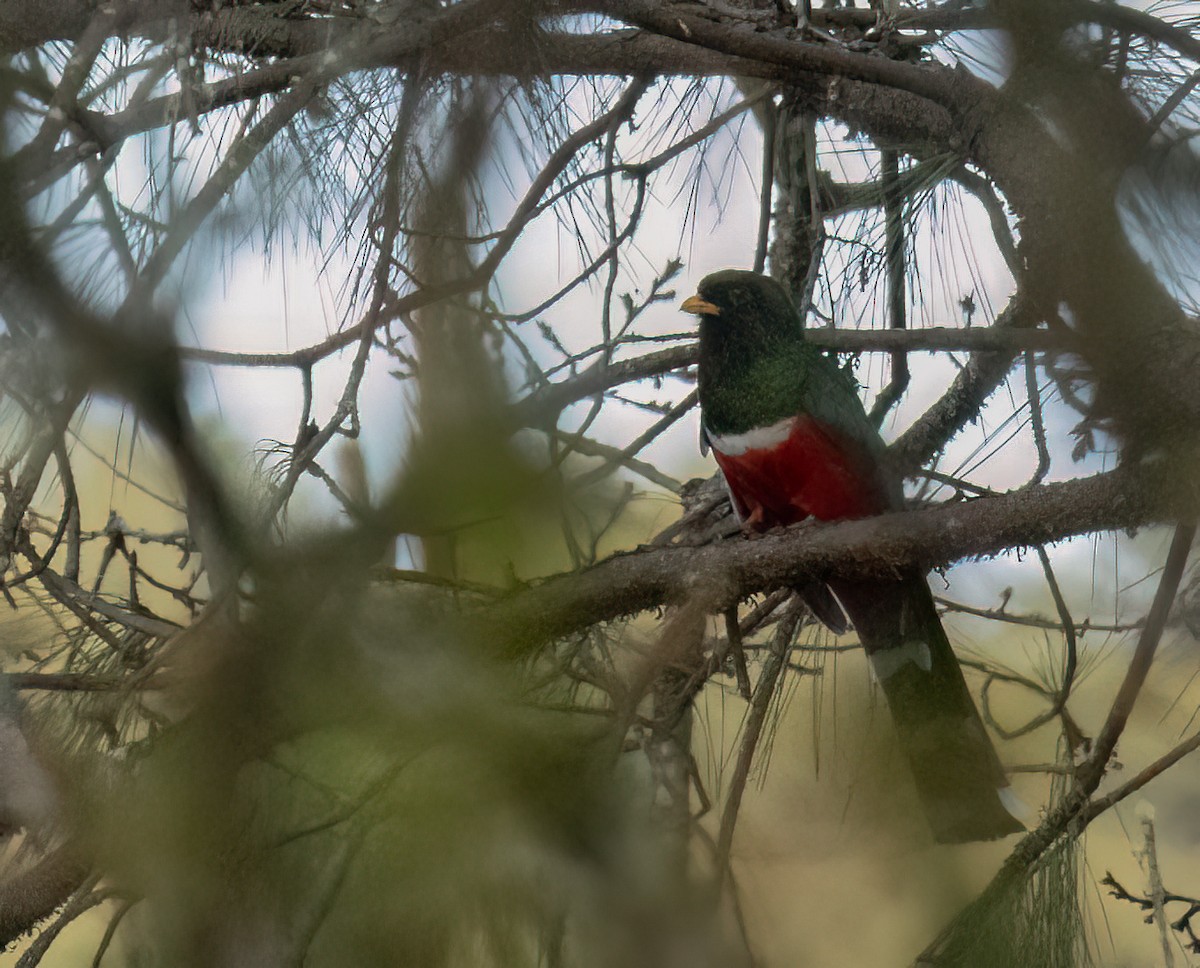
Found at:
<point>789,433</point>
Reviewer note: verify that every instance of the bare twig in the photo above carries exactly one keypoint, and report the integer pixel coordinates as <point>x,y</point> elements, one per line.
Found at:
<point>640,443</point>
<point>1035,420</point>
<point>110,931</point>
<point>965,397</point>
<point>1157,891</point>
<point>1182,924</point>
<point>893,221</point>
<point>733,638</point>
<point>1143,656</point>
<point>764,692</point>
<point>770,118</point>
<point>1034,621</point>
<point>947,417</point>
<point>1063,693</point>
<point>1144,776</point>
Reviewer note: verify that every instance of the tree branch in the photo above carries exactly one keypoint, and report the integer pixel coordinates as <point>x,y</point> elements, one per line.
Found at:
<point>1001,341</point>
<point>725,572</point>
<point>35,894</point>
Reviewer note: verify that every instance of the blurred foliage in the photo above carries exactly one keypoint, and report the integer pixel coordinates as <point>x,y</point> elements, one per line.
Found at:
<point>349,776</point>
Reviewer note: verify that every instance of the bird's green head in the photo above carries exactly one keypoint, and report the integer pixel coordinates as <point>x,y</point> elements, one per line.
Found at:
<point>754,359</point>
<point>744,312</point>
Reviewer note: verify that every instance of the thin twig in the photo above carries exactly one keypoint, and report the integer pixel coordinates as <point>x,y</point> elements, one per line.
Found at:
<point>960,402</point>
<point>110,931</point>
<point>1067,625</point>
<point>1157,891</point>
<point>1143,656</point>
<point>764,692</point>
<point>770,117</point>
<point>893,227</point>
<point>1033,621</point>
<point>1035,421</point>
<point>733,637</point>
<point>639,443</point>
<point>1144,776</point>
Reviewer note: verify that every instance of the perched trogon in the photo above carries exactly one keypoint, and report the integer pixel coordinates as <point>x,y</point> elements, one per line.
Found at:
<point>790,435</point>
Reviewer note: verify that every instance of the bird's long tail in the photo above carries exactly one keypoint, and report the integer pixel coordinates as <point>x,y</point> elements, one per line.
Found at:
<point>958,775</point>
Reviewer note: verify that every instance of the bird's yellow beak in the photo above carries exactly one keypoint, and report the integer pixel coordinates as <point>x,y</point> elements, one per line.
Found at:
<point>698,306</point>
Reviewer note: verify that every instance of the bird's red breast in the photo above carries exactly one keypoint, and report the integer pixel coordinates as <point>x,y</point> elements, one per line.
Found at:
<point>785,472</point>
